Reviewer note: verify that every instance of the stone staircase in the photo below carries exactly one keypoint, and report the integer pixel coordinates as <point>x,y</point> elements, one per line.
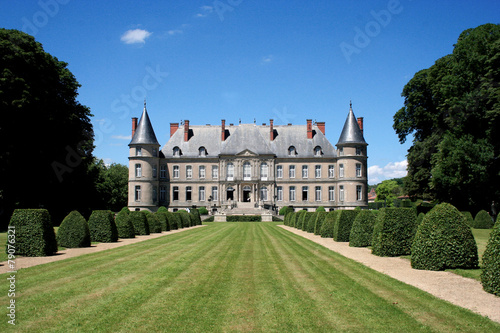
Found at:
<point>246,208</point>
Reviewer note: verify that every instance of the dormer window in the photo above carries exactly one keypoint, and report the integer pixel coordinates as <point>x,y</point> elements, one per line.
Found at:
<point>317,151</point>
<point>292,151</point>
<point>138,151</point>
<point>202,151</point>
<point>177,151</point>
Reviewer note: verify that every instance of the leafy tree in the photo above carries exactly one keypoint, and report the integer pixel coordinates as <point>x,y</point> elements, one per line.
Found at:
<point>112,185</point>
<point>387,191</point>
<point>452,109</point>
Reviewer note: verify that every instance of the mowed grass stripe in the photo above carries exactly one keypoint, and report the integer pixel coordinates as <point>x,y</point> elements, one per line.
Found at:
<point>226,277</point>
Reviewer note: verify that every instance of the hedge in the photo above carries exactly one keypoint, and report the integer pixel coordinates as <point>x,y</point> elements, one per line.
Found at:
<point>483,220</point>
<point>195,214</point>
<point>73,231</point>
<point>305,220</point>
<point>162,218</point>
<point>469,220</point>
<point>35,235</point>
<point>319,221</point>
<point>393,232</point>
<point>311,222</point>
<point>124,225</point>
<point>490,277</point>
<point>326,230</point>
<point>343,225</point>
<point>243,218</point>
<point>177,220</point>
<point>420,218</point>
<point>154,223</point>
<point>293,219</point>
<point>184,217</point>
<point>300,219</point>
<point>284,210</point>
<point>102,227</point>
<point>141,226</point>
<point>320,209</point>
<point>362,229</point>
<point>171,220</point>
<point>444,240</point>
<point>203,211</point>
<point>286,220</point>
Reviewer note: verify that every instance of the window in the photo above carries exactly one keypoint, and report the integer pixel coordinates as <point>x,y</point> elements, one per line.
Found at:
<point>176,151</point>
<point>202,151</point>
<point>317,171</point>
<point>292,151</point>
<point>358,151</point>
<point>305,171</point>
<point>341,171</point>
<point>201,170</point>
<point>304,193</point>
<point>202,193</point>
<point>138,171</point>
<point>163,171</point>
<point>358,169</point>
<point>341,193</point>
<point>162,193</point>
<point>230,171</point>
<point>279,171</point>
<point>279,193</point>
<point>317,193</point>
<point>155,152</point>
<point>215,193</point>
<point>331,171</point>
<point>176,171</point>
<point>292,193</point>
<point>292,171</point>
<point>155,193</point>
<point>175,193</point>
<point>188,193</point>
<point>215,172</point>
<point>317,151</point>
<point>331,193</point>
<point>341,151</point>
<point>138,151</point>
<point>263,171</point>
<point>359,192</point>
<point>247,171</point>
<point>155,171</point>
<point>189,171</point>
<point>137,193</point>
<point>263,193</point>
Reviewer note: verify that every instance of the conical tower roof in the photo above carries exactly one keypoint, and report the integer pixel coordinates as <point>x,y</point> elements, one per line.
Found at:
<point>351,133</point>
<point>144,133</point>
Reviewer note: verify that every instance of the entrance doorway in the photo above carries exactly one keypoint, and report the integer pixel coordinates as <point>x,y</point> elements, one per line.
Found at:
<point>230,193</point>
<point>247,191</point>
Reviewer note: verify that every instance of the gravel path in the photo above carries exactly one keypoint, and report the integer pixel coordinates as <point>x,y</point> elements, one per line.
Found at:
<point>464,292</point>
<point>24,262</point>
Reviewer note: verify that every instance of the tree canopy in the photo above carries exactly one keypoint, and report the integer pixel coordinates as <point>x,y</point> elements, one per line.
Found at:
<point>453,111</point>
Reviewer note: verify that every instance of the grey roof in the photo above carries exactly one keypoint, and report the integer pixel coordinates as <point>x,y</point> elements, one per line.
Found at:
<point>351,133</point>
<point>247,137</point>
<point>144,133</point>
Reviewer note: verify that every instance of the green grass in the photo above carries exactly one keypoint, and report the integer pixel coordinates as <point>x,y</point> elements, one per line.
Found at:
<point>226,277</point>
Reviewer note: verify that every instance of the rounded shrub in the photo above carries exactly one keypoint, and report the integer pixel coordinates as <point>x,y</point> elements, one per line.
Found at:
<point>140,223</point>
<point>162,218</point>
<point>319,221</point>
<point>172,221</point>
<point>469,220</point>
<point>102,227</point>
<point>293,219</point>
<point>343,225</point>
<point>320,209</point>
<point>162,209</point>
<point>185,218</point>
<point>73,231</point>
<point>394,231</point>
<point>125,210</point>
<point>305,220</point>
<point>420,218</point>
<point>483,220</point>
<point>326,230</point>
<point>444,240</point>
<point>178,220</point>
<point>362,229</point>
<point>124,225</point>
<point>154,223</point>
<point>35,235</point>
<point>195,216</point>
<point>203,211</point>
<point>300,219</point>
<point>311,222</point>
<point>490,277</point>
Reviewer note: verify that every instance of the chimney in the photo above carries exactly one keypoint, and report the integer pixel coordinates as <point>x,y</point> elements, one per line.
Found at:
<point>134,126</point>
<point>173,128</point>
<point>271,129</point>
<point>186,130</point>
<point>321,126</point>
<point>309,129</point>
<point>360,124</point>
<point>223,130</point>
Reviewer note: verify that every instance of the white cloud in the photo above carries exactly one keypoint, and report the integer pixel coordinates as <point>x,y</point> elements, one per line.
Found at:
<point>205,11</point>
<point>174,32</point>
<point>135,36</point>
<point>267,59</point>
<point>377,174</point>
<point>122,137</point>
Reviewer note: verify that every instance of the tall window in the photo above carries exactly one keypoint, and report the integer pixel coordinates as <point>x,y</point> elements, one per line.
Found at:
<point>137,193</point>
<point>263,171</point>
<point>175,193</point>
<point>263,193</point>
<point>279,171</point>
<point>331,171</point>
<point>317,151</point>
<point>188,193</point>
<point>163,171</point>
<point>292,171</point>
<point>304,193</point>
<point>292,193</point>
<point>215,193</point>
<point>292,151</point>
<point>230,171</point>
<point>341,151</point>
<point>189,171</point>
<point>176,151</point>
<point>358,169</point>
<point>202,151</point>
<point>138,171</point>
<point>155,171</point>
<point>317,193</point>
<point>341,192</point>
<point>331,193</point>
<point>341,171</point>
<point>163,191</point>
<point>359,192</point>
<point>317,171</point>
<point>247,171</point>
<point>305,171</point>
<point>279,193</point>
<point>201,170</point>
<point>176,171</point>
<point>202,193</point>
<point>138,151</point>
<point>215,172</point>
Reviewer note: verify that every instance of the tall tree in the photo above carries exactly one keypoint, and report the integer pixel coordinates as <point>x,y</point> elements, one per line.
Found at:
<point>453,111</point>
<point>46,134</point>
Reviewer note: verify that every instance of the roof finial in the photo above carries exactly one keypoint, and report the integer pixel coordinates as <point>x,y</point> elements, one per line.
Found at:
<point>144,104</point>
<point>350,104</point>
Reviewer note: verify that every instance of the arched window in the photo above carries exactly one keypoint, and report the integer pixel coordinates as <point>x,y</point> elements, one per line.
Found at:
<point>318,151</point>
<point>177,151</point>
<point>247,171</point>
<point>202,151</point>
<point>292,151</point>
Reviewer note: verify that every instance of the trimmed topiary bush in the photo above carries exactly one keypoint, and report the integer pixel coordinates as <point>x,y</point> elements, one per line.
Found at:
<point>444,240</point>
<point>305,220</point>
<point>284,210</point>
<point>490,277</point>
<point>311,221</point>
<point>125,210</point>
<point>320,209</point>
<point>184,217</point>
<point>162,218</point>
<point>102,227</point>
<point>73,231</point>
<point>393,232</point>
<point>171,220</point>
<point>178,220</point>
<point>35,235</point>
<point>420,218</point>
<point>141,226</point>
<point>343,225</point>
<point>483,220</point>
<point>300,219</point>
<point>203,211</point>
<point>362,229</point>
<point>293,219</point>
<point>319,221</point>
<point>469,220</point>
<point>154,223</point>
<point>326,230</point>
<point>124,225</point>
<point>195,216</point>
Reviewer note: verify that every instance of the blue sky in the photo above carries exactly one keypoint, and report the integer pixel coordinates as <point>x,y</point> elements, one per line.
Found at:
<point>239,59</point>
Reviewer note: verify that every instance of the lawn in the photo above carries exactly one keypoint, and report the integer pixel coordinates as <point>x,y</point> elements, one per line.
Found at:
<point>226,277</point>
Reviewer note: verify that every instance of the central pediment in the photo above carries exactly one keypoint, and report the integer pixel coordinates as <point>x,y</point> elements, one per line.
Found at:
<point>246,152</point>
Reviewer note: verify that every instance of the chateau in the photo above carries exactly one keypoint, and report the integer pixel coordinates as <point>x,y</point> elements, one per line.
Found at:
<point>263,167</point>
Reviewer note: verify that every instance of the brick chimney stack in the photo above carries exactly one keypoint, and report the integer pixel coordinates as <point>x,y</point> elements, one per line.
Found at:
<point>134,126</point>
<point>271,129</point>
<point>223,130</point>
<point>186,130</point>
<point>309,129</point>
<point>321,126</point>
<point>173,128</point>
<point>360,124</point>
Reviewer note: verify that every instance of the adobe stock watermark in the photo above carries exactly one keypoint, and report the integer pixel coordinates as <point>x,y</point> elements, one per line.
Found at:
<point>283,115</point>
<point>49,9</point>
<point>221,7</point>
<point>372,29</point>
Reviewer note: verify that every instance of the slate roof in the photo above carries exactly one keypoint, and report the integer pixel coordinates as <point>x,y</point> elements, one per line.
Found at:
<point>144,133</point>
<point>351,133</point>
